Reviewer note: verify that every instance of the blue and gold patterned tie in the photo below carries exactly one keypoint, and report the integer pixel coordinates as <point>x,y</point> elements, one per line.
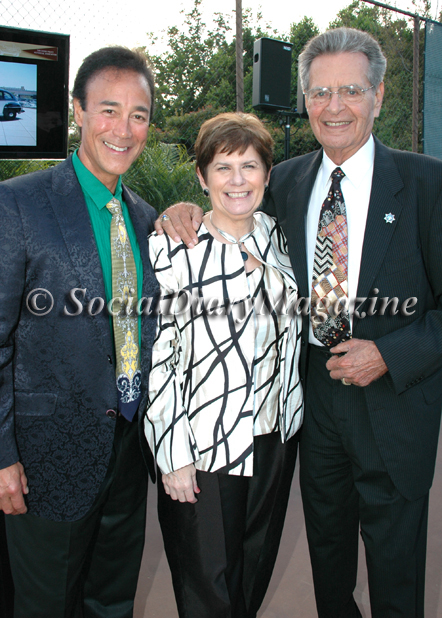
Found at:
<point>125,321</point>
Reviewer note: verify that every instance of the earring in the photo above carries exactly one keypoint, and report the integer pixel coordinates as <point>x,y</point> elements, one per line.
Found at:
<point>206,192</point>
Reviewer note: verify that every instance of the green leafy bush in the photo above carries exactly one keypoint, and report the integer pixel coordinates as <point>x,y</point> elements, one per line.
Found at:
<point>165,174</point>
<point>10,168</point>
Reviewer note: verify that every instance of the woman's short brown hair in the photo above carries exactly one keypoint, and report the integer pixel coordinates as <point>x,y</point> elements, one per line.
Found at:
<point>232,132</point>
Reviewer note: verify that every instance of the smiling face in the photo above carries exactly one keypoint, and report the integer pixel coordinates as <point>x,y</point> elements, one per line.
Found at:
<point>342,129</point>
<point>114,124</point>
<point>236,186</point>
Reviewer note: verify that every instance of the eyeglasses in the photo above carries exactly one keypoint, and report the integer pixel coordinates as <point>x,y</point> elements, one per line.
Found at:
<point>347,94</point>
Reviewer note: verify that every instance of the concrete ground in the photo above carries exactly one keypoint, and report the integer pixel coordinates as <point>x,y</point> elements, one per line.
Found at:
<point>290,594</point>
<point>19,132</point>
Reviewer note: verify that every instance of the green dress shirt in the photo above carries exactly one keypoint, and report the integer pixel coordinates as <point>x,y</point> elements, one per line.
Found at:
<point>97,196</point>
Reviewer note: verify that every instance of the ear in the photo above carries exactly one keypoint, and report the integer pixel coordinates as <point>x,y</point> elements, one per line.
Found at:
<point>78,112</point>
<point>379,97</point>
<point>306,103</point>
<point>201,178</point>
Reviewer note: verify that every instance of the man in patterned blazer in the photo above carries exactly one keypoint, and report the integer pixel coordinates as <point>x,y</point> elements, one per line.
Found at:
<point>374,380</point>
<point>73,483</point>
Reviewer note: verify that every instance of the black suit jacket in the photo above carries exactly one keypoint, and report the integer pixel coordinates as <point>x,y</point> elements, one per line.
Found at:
<point>402,260</point>
<point>57,372</point>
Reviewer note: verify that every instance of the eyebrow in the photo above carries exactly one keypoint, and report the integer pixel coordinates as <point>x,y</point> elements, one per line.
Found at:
<point>337,88</point>
<point>230,163</point>
<point>139,108</point>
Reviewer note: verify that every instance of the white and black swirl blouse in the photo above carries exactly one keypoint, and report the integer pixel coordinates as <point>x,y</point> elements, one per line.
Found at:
<point>225,357</point>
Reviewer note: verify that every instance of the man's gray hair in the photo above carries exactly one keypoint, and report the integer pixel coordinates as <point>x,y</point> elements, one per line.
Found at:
<point>341,40</point>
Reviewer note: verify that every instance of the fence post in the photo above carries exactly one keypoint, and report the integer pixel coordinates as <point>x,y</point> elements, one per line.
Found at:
<point>239,59</point>
<point>415,119</point>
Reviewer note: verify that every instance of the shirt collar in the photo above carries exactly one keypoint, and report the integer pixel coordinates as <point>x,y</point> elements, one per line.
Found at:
<point>355,168</point>
<point>95,189</point>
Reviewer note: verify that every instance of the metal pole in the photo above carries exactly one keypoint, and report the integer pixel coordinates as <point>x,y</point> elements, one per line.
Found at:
<point>287,138</point>
<point>239,59</point>
<point>415,120</point>
<point>393,8</point>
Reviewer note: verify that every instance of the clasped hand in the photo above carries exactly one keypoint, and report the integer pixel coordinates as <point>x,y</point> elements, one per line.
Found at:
<point>357,361</point>
<point>181,484</point>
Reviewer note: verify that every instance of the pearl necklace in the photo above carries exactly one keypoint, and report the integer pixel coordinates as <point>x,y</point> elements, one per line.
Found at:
<point>233,240</point>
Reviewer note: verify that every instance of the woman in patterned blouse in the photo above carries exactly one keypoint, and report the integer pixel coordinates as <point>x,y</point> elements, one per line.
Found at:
<point>225,398</point>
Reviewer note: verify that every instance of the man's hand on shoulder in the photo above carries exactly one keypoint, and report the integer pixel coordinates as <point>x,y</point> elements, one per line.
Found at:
<point>181,222</point>
<point>360,364</point>
<point>13,484</point>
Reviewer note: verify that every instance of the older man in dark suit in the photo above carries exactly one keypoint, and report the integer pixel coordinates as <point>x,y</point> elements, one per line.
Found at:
<point>73,482</point>
<point>372,345</point>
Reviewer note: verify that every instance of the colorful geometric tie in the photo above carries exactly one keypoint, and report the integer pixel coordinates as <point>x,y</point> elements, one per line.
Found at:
<point>329,302</point>
<point>124,287</point>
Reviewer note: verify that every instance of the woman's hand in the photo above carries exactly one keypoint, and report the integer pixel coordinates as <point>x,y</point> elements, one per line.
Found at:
<point>184,219</point>
<point>181,484</point>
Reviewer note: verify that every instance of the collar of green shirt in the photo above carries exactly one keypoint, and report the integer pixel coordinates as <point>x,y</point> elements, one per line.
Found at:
<point>90,184</point>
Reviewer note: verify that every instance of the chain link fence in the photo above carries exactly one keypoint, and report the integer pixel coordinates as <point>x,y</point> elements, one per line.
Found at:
<point>91,25</point>
<point>433,90</point>
<point>195,68</point>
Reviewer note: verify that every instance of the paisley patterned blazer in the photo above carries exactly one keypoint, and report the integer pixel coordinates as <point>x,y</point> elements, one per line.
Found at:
<point>202,402</point>
<point>57,374</point>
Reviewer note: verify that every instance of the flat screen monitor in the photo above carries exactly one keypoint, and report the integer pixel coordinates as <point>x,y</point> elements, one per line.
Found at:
<point>34,94</point>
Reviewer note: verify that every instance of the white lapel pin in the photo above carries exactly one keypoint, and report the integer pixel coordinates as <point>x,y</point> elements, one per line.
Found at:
<point>389,218</point>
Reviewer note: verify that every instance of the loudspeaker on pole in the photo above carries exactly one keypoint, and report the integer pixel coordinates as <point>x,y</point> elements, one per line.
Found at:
<point>272,68</point>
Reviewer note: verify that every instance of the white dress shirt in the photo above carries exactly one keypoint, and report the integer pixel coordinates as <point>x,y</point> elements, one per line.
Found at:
<point>356,189</point>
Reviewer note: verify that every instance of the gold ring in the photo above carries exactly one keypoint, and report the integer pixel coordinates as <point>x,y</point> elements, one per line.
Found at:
<point>345,383</point>
<point>165,217</point>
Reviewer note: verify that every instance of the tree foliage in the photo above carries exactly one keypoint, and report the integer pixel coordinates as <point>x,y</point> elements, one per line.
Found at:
<point>196,77</point>
<point>196,80</point>
<point>164,174</point>
<point>395,35</point>
<point>196,74</point>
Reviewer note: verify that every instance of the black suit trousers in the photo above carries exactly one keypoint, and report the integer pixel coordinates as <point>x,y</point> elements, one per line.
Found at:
<point>86,568</point>
<point>346,489</point>
<point>6,584</point>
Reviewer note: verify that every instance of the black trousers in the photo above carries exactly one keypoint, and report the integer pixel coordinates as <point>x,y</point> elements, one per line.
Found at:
<point>86,568</point>
<point>6,584</point>
<point>222,550</point>
<point>346,489</point>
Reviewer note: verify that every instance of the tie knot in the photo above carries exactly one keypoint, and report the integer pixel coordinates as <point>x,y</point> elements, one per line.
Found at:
<point>114,206</point>
<point>337,174</point>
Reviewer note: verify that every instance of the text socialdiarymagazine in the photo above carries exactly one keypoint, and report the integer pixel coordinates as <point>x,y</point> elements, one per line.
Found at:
<point>40,302</point>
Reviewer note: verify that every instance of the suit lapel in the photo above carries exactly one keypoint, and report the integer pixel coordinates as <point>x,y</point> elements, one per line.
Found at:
<point>71,211</point>
<point>387,182</point>
<point>295,229</point>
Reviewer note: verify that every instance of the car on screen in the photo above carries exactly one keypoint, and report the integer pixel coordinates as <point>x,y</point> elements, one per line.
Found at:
<point>9,105</point>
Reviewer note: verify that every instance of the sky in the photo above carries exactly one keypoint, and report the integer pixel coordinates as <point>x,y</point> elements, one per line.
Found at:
<point>18,75</point>
<point>95,24</point>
